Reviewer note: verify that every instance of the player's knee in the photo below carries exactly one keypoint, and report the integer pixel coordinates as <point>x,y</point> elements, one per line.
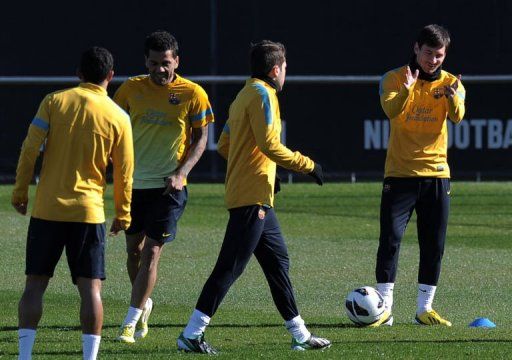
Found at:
<point>134,250</point>
<point>36,285</point>
<point>280,264</point>
<point>133,255</point>
<point>87,287</point>
<point>391,242</point>
<point>135,244</point>
<point>153,251</point>
<point>284,266</point>
<point>150,256</point>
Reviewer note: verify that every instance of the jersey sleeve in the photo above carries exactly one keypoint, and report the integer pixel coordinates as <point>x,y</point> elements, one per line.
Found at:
<point>121,97</point>
<point>393,94</point>
<point>223,143</point>
<point>200,113</point>
<point>268,139</point>
<point>456,107</point>
<point>123,163</point>
<point>30,150</point>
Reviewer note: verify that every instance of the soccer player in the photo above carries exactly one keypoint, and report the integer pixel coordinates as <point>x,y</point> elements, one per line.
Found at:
<point>418,98</point>
<point>169,116</point>
<point>83,129</point>
<point>250,142</point>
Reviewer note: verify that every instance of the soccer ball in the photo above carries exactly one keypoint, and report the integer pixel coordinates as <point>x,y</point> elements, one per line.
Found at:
<point>364,306</point>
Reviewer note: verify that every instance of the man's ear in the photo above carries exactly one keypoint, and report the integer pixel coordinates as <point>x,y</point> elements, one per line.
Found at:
<point>110,75</point>
<point>274,72</point>
<point>416,48</point>
<point>177,58</point>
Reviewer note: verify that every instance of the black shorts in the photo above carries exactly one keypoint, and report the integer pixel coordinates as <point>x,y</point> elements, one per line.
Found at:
<point>84,243</point>
<point>157,215</point>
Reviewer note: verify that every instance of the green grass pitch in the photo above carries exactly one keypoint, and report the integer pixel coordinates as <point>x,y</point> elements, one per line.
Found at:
<point>332,234</point>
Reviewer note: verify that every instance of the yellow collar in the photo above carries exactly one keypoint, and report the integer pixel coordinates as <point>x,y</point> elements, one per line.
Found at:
<point>94,88</point>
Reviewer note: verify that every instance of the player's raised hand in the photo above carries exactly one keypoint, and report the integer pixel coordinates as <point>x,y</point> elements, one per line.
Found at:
<point>174,182</point>
<point>451,90</point>
<point>410,78</point>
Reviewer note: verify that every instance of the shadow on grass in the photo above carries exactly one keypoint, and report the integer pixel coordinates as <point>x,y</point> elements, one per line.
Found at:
<point>336,212</point>
<point>103,352</point>
<point>418,341</point>
<point>180,326</point>
<point>133,350</point>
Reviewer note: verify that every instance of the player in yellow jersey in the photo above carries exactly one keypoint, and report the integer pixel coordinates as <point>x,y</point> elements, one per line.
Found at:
<point>250,142</point>
<point>169,116</point>
<point>83,129</point>
<point>418,98</point>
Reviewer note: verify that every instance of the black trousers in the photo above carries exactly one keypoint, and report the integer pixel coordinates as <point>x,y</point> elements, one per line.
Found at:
<point>430,197</point>
<point>251,230</point>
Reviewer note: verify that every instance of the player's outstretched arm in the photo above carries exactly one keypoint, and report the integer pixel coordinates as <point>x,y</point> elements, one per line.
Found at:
<point>269,143</point>
<point>263,125</point>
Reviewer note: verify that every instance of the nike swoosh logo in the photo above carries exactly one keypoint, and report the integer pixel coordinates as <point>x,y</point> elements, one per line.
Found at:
<point>423,290</point>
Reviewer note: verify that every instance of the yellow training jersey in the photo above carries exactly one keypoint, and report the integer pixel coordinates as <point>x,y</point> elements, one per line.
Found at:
<point>84,129</point>
<point>251,143</point>
<point>162,120</point>
<point>418,141</point>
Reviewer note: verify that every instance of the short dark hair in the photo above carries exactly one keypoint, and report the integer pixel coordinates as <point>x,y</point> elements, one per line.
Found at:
<point>161,41</point>
<point>265,55</point>
<point>95,64</point>
<point>434,36</point>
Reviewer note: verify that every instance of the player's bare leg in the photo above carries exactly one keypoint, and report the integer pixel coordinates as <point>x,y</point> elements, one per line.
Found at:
<point>91,315</point>
<point>91,307</point>
<point>30,309</point>
<point>147,274</point>
<point>134,246</point>
<point>135,324</point>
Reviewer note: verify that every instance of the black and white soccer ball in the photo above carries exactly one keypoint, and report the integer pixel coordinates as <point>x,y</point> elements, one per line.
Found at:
<point>364,306</point>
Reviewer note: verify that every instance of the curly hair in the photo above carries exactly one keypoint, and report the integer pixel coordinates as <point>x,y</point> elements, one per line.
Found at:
<point>161,40</point>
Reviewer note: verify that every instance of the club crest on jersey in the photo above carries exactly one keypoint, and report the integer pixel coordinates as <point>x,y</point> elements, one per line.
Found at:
<point>261,214</point>
<point>438,93</point>
<point>173,99</point>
